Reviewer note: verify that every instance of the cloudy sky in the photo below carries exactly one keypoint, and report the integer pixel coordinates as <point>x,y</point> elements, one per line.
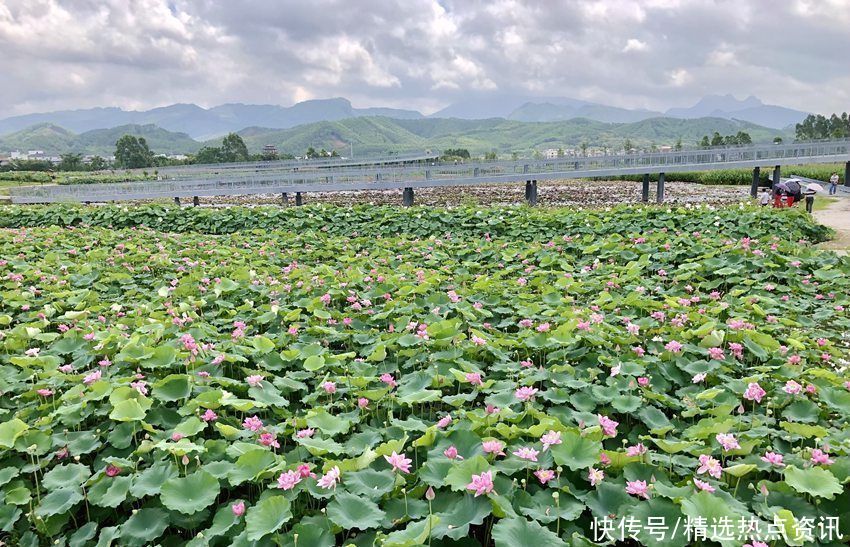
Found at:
<point>421,54</point>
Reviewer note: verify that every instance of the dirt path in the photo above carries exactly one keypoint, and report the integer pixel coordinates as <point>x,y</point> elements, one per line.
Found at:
<point>837,217</point>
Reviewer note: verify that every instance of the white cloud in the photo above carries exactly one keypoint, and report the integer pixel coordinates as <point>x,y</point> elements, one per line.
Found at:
<point>420,53</point>
<point>633,44</point>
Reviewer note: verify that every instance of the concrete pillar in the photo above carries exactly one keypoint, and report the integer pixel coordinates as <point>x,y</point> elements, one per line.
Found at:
<point>777,174</point>
<point>531,192</point>
<point>847,174</point>
<point>427,174</point>
<point>298,201</point>
<point>525,168</point>
<point>378,177</point>
<point>176,200</point>
<point>644,191</point>
<point>754,187</point>
<point>659,196</point>
<point>195,201</point>
<point>284,199</point>
<point>475,172</point>
<point>407,197</point>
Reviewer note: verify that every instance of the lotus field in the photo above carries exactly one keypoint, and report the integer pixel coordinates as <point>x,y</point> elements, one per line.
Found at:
<point>321,376</point>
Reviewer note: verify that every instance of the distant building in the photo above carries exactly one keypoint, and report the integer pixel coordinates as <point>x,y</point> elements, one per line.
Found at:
<point>551,153</point>
<point>270,152</point>
<point>18,155</point>
<point>665,148</point>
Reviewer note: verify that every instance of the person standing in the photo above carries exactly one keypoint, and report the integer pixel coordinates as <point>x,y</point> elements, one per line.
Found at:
<point>833,184</point>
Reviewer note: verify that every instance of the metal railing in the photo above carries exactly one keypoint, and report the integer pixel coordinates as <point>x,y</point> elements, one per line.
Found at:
<point>403,175</point>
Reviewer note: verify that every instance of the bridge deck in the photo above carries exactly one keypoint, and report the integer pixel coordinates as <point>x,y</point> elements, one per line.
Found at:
<point>378,176</point>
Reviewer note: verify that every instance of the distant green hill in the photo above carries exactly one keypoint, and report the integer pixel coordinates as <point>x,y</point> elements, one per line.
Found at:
<point>380,135</point>
<point>56,140</point>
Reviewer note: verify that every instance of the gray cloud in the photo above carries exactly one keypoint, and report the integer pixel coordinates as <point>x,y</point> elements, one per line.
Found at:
<point>421,53</point>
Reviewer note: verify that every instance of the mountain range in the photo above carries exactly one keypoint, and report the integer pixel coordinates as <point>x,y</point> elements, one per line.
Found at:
<point>206,123</point>
<point>378,135</point>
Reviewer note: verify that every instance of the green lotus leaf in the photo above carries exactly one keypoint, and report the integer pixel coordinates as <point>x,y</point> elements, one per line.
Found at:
<point>144,526</point>
<point>172,388</point>
<point>191,493</point>
<point>109,491</point>
<point>10,431</point>
<point>814,481</point>
<point>354,512</point>
<point>519,531</point>
<point>576,452</point>
<point>66,475</point>
<point>59,501</point>
<point>266,517</point>
<point>415,533</point>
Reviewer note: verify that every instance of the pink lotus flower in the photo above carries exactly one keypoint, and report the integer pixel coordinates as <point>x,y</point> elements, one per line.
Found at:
<point>633,329</point>
<point>325,298</point>
<point>638,488</point>
<point>288,480</point>
<point>526,453</point>
<point>140,386</point>
<point>254,380</point>
<point>773,459</point>
<point>330,479</point>
<point>478,341</point>
<point>756,544</point>
<point>176,436</point>
<point>329,387</point>
<point>699,377</point>
<point>643,381</point>
<point>399,462</point>
<point>451,453</point>
<point>363,402</point>
<point>794,359</point>
<point>66,369</point>
<point>595,476</point>
<point>209,416</point>
<point>544,475</point>
<point>727,441</point>
<point>716,353</point>
<point>639,351</point>
<point>388,379</point>
<point>525,323</point>
<point>792,387</point>
<point>252,423</point>
<point>112,471</point>
<point>525,393</point>
<point>269,439</point>
<point>673,346</point>
<point>604,459</point>
<point>304,471</point>
<point>474,378</point>
<point>92,377</point>
<point>444,421</point>
<point>702,485</point>
<point>709,465</point>
<point>481,484</point>
<point>305,433</point>
<point>238,508</point>
<point>543,327</point>
<point>754,392</point>
<point>526,364</point>
<point>819,457</point>
<point>636,450</point>
<point>45,392</point>
<point>493,447</point>
<point>550,439</point>
<point>609,426</point>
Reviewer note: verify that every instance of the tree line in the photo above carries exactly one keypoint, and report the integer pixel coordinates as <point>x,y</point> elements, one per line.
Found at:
<point>815,127</point>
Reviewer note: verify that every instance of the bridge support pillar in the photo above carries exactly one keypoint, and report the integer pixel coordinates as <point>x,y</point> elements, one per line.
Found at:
<point>407,197</point>
<point>195,201</point>
<point>476,172</point>
<point>378,177</point>
<point>659,194</point>
<point>847,174</point>
<point>644,191</point>
<point>754,187</point>
<point>298,200</point>
<point>176,200</point>
<point>777,174</point>
<point>427,174</point>
<point>531,192</point>
<point>284,199</point>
